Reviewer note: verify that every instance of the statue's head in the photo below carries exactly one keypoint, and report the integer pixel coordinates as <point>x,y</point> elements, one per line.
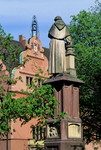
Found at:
<point>57,18</point>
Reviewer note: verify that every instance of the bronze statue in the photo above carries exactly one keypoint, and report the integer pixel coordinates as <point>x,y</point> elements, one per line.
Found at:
<point>59,34</point>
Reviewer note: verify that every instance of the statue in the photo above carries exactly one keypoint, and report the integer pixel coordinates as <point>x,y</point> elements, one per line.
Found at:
<point>58,34</point>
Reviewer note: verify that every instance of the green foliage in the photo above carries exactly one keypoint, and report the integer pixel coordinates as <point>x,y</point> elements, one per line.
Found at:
<point>39,103</point>
<point>9,51</point>
<point>85,29</point>
<point>2,33</point>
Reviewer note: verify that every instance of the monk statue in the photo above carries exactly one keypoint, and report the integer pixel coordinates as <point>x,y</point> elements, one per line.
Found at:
<point>58,34</point>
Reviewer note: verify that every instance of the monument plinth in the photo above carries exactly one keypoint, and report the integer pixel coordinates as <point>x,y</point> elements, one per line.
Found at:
<point>65,134</point>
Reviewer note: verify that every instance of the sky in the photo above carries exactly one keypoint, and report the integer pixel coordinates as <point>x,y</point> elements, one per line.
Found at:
<point>16,15</point>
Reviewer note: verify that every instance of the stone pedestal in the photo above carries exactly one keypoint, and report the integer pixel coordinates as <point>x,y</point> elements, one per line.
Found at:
<point>67,133</point>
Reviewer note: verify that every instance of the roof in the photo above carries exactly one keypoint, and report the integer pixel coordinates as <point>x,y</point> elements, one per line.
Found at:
<point>46,52</point>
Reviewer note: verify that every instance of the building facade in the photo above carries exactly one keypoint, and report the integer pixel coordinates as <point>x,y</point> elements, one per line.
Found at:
<point>22,138</point>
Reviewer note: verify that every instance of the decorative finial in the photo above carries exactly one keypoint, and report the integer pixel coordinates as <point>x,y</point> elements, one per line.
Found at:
<point>35,30</point>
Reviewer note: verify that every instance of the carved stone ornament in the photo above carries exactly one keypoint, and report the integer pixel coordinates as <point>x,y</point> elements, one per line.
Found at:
<point>52,131</point>
<point>74,130</point>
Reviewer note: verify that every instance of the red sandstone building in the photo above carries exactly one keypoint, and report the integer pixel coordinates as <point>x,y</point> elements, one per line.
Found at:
<point>22,139</point>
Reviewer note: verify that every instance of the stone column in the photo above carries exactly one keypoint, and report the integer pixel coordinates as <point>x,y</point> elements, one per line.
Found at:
<point>70,61</point>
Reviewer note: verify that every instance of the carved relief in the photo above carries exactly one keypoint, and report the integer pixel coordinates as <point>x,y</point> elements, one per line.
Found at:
<point>52,131</point>
<point>74,130</point>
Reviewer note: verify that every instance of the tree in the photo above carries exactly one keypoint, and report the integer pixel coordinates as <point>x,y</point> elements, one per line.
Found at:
<point>85,29</point>
<point>9,50</point>
<point>36,104</point>
<point>9,53</point>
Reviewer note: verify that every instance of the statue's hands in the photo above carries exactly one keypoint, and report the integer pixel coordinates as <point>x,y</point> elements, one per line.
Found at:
<point>68,40</point>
